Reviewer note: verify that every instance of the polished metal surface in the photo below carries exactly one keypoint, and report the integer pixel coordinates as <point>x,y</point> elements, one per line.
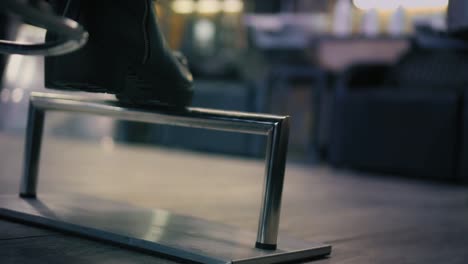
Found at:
<point>231,121</point>
<point>71,35</point>
<point>277,146</point>
<point>276,128</point>
<point>33,143</point>
<point>157,231</point>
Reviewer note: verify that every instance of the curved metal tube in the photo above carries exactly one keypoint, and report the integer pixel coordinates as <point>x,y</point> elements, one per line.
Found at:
<point>73,36</point>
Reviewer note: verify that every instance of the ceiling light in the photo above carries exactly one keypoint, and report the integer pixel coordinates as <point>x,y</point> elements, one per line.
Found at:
<point>394,4</point>
<point>183,6</point>
<point>233,6</point>
<point>208,6</point>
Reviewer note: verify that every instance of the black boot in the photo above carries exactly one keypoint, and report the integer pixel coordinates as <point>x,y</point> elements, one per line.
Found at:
<point>126,55</point>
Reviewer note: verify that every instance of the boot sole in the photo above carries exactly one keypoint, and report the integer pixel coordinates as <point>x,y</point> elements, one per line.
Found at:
<point>133,90</point>
<point>179,99</point>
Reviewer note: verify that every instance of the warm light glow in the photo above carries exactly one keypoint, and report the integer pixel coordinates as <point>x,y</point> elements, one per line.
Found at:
<point>204,32</point>
<point>183,6</point>
<point>208,6</point>
<point>394,4</point>
<point>233,6</point>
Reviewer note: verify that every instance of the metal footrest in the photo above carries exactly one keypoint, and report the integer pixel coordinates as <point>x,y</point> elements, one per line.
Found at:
<point>192,239</point>
<point>158,231</point>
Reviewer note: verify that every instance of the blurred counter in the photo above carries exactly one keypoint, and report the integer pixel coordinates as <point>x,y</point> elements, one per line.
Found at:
<point>336,54</point>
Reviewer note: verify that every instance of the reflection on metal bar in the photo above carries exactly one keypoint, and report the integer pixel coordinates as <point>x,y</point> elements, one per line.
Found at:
<point>33,143</point>
<point>276,128</point>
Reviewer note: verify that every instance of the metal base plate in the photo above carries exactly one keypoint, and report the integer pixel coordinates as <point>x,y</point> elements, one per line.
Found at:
<point>157,231</point>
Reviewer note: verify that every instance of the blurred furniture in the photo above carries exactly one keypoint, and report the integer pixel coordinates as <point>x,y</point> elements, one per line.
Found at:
<point>296,90</point>
<point>223,95</point>
<point>290,82</point>
<point>463,159</point>
<point>337,54</point>
<point>403,118</point>
<point>327,100</point>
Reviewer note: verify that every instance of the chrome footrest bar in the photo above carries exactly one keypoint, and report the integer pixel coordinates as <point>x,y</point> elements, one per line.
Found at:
<point>275,128</point>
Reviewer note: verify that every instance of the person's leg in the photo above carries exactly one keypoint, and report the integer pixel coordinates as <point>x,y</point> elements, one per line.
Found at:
<point>126,54</point>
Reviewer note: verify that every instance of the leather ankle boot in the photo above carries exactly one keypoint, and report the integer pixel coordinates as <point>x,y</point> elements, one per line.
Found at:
<point>126,55</point>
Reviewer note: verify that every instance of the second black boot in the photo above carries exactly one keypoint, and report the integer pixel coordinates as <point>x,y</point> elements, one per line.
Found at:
<point>126,55</point>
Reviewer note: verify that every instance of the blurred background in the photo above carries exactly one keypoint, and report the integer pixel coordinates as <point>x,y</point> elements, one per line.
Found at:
<point>371,85</point>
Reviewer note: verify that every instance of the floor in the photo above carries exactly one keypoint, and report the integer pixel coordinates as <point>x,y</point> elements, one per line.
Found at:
<point>367,218</point>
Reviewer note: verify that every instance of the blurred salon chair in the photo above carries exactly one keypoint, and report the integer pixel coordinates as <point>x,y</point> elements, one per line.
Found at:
<point>457,20</point>
<point>404,118</point>
<point>463,159</point>
<point>281,82</point>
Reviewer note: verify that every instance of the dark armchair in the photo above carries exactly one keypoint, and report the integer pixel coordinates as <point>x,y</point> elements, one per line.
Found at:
<point>402,118</point>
